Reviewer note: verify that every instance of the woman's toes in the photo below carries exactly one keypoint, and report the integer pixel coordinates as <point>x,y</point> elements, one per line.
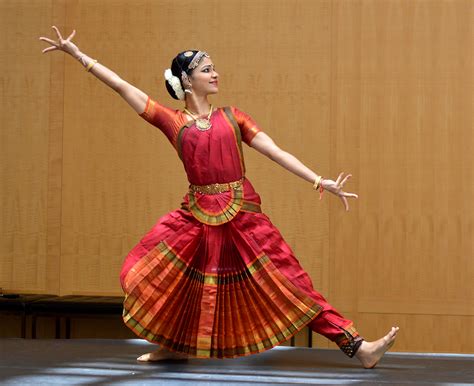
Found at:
<point>161,355</point>
<point>144,358</point>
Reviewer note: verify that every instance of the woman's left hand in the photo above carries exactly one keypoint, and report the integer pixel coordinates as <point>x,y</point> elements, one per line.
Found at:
<point>336,187</point>
<point>61,44</point>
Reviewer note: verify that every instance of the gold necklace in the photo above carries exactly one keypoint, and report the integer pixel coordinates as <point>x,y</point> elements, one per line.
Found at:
<point>202,124</point>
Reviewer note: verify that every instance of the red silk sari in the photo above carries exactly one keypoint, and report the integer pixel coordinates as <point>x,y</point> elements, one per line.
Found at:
<point>214,278</point>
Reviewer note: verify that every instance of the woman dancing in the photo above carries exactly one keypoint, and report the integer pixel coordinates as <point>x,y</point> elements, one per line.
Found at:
<point>215,279</point>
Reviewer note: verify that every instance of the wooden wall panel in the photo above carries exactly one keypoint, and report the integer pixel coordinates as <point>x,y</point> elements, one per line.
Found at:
<point>412,109</point>
<point>31,114</point>
<point>381,89</point>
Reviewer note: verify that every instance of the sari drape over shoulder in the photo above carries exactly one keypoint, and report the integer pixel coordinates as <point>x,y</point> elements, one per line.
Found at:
<point>214,278</point>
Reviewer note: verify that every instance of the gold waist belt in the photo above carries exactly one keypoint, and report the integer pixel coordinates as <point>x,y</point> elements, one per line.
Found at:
<point>216,188</point>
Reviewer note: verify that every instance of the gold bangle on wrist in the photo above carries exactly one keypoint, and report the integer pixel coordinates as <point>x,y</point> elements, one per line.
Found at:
<point>318,185</point>
<point>317,182</point>
<point>91,64</point>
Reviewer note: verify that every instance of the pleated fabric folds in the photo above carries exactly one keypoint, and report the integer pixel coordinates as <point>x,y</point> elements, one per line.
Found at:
<point>214,292</point>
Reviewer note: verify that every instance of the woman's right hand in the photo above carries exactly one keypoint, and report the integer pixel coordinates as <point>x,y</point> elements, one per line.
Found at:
<point>335,187</point>
<point>65,45</point>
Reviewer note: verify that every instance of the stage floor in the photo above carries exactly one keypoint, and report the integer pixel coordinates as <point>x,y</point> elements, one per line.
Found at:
<point>100,362</point>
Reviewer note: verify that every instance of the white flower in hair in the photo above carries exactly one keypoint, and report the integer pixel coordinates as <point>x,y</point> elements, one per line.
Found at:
<point>174,82</point>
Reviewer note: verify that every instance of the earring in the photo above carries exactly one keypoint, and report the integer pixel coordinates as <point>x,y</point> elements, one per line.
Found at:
<point>188,90</point>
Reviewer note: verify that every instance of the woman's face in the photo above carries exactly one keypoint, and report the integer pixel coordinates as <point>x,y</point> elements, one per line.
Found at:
<point>204,78</point>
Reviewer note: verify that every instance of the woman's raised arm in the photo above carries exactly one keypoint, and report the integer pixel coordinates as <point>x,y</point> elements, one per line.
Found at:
<point>133,96</point>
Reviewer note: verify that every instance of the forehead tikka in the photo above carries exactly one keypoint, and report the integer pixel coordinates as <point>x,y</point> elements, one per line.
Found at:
<point>194,63</point>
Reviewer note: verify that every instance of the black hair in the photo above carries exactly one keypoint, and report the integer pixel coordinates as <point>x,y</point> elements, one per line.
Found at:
<point>179,64</point>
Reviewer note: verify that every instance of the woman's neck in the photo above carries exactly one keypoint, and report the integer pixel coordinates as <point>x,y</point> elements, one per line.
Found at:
<point>197,105</point>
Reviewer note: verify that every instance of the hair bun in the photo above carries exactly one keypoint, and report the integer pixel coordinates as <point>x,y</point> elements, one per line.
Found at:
<point>175,84</point>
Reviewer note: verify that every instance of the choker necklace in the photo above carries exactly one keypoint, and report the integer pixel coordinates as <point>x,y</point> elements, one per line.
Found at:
<point>202,124</point>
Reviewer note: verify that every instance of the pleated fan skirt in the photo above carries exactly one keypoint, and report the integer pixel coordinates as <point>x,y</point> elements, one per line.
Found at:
<point>215,291</point>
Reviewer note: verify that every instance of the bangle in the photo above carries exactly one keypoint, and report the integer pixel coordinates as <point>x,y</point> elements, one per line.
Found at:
<point>91,64</point>
<point>318,184</point>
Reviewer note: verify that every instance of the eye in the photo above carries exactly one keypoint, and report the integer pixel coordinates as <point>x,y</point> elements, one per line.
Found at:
<point>206,70</point>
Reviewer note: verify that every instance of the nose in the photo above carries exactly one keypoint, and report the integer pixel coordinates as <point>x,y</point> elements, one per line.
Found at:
<point>215,75</point>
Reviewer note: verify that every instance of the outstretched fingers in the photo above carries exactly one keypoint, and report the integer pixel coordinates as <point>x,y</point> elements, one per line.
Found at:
<point>339,178</point>
<point>47,40</point>
<point>54,45</point>
<point>57,32</point>
<point>345,179</point>
<point>57,44</point>
<point>351,195</point>
<point>344,196</point>
<point>72,35</point>
<point>346,204</point>
<point>50,49</point>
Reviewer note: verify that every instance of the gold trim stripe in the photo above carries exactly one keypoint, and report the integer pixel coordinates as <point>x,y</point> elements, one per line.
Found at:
<point>247,206</point>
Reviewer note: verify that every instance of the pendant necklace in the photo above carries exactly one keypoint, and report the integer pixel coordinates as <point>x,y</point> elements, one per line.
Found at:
<point>202,124</point>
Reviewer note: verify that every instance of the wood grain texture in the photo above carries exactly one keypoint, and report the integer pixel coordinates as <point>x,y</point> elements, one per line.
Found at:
<point>30,129</point>
<point>380,89</point>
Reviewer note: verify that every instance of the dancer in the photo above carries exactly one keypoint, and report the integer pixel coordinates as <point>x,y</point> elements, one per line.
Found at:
<point>215,278</point>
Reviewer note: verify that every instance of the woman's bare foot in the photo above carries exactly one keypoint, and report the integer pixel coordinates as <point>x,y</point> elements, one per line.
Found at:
<point>369,353</point>
<point>161,354</point>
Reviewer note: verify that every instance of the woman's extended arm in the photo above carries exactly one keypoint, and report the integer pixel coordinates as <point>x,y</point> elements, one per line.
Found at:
<point>265,145</point>
<point>133,96</point>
